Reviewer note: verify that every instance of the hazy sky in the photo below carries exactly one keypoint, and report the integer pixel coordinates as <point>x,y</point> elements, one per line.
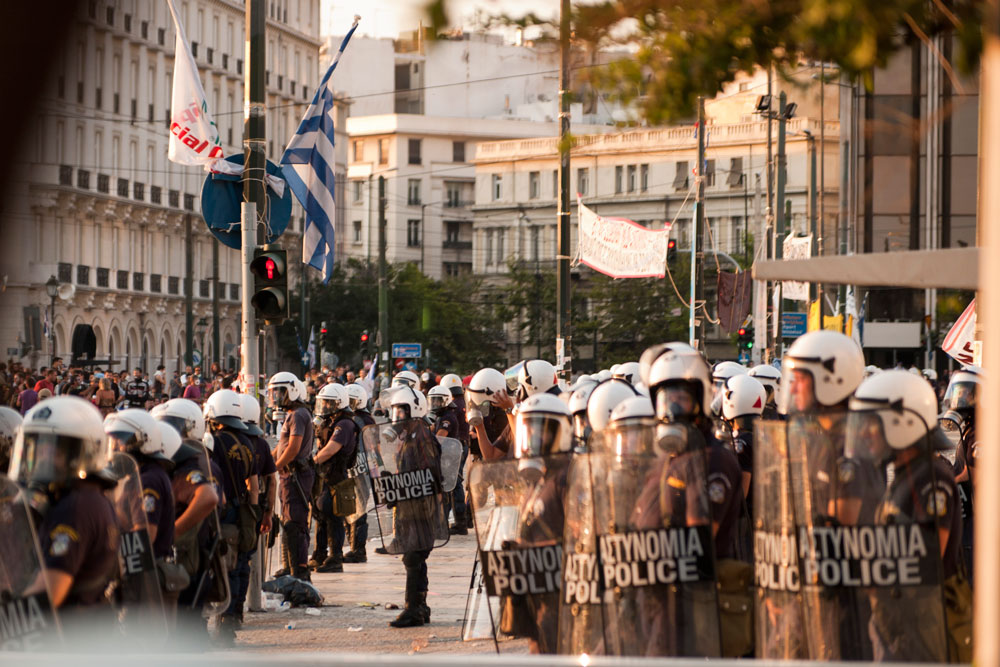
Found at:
<point>386,18</point>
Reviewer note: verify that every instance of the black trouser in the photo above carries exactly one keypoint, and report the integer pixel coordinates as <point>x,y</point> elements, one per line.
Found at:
<point>358,533</point>
<point>333,526</point>
<point>416,573</point>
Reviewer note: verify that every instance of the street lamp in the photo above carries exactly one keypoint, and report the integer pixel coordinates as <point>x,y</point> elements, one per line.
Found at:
<point>52,289</point>
<point>200,329</point>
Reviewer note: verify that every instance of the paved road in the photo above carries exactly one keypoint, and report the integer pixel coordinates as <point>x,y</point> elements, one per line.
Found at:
<point>354,617</point>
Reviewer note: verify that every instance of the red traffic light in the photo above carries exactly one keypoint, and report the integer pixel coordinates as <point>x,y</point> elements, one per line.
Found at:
<point>671,244</point>
<point>323,330</point>
<point>742,332</point>
<point>269,268</point>
<point>364,338</point>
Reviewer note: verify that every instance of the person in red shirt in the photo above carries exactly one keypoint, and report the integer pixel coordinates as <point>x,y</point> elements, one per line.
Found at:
<point>47,382</point>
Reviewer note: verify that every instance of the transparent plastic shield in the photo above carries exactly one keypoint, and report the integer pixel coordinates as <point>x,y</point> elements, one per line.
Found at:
<point>656,549</point>
<point>451,459</point>
<point>869,556</point>
<point>518,509</point>
<point>581,611</point>
<point>404,463</point>
<point>362,485</point>
<point>31,624</point>
<point>629,437</point>
<point>480,608</point>
<point>142,612</point>
<point>778,614</point>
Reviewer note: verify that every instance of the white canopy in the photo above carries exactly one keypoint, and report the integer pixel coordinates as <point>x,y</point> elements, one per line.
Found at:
<point>956,268</point>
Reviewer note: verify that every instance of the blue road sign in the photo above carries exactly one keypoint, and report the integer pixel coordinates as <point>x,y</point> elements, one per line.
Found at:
<point>793,325</point>
<point>407,350</point>
<point>221,196</point>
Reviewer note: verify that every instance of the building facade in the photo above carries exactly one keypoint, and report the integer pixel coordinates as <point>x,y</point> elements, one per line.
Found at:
<point>103,210</point>
<point>647,176</point>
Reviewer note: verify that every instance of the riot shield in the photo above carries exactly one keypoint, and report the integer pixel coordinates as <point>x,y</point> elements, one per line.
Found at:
<point>480,608</point>
<point>581,614</point>
<point>778,603</point>
<point>518,510</point>
<point>361,485</point>
<point>451,459</point>
<point>30,623</point>
<point>404,463</point>
<point>654,534</point>
<point>141,612</point>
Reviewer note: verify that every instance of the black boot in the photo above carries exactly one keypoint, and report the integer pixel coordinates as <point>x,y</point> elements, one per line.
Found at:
<point>459,527</point>
<point>355,557</point>
<point>425,611</point>
<point>226,630</point>
<point>286,569</point>
<point>381,550</point>
<point>412,614</point>
<point>331,564</point>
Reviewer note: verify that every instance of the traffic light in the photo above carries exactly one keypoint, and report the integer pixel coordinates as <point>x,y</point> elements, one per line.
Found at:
<point>270,284</point>
<point>744,338</point>
<point>364,344</point>
<point>671,250</point>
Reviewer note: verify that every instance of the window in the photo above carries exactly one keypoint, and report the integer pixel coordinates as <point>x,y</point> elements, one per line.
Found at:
<point>497,190</point>
<point>234,292</point>
<point>155,283</point>
<point>644,178</point>
<point>359,150</point>
<point>203,288</point>
<point>173,285</point>
<point>189,202</point>
<point>534,184</point>
<point>735,177</point>
<point>452,269</point>
<point>82,275</point>
<point>738,235</point>
<point>413,233</point>
<point>356,187</point>
<point>489,246</point>
<point>555,183</point>
<point>453,194</point>
<point>535,239</point>
<point>161,36</point>
<point>155,194</point>
<point>500,255</point>
<point>709,173</point>
<point>681,175</point>
<point>102,277</point>
<point>138,281</point>
<point>139,191</point>
<point>383,152</point>
<point>414,151</point>
<point>631,178</point>
<point>619,177</point>
<point>451,231</point>
<point>582,180</point>
<point>413,192</point>
<point>357,232</point>
<point>458,151</point>
<point>65,272</point>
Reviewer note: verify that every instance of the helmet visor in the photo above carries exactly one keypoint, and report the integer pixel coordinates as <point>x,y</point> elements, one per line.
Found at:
<point>439,402</point>
<point>47,458</point>
<point>865,437</point>
<point>630,437</point>
<point>798,393</point>
<point>277,397</point>
<point>179,424</point>
<point>960,395</point>
<point>676,402</point>
<point>356,404</point>
<point>325,406</point>
<point>542,435</point>
<point>123,440</point>
<point>400,413</point>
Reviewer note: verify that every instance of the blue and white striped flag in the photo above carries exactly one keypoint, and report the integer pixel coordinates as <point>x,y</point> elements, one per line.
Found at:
<point>308,165</point>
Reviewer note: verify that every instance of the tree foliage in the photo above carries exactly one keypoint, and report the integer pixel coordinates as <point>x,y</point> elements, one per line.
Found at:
<point>690,48</point>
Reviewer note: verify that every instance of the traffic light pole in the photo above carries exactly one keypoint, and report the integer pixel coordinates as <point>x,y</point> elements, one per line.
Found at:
<point>382,344</point>
<point>563,256</point>
<point>253,202</point>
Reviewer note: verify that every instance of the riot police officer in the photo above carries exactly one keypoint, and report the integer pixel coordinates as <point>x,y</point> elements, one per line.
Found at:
<point>235,456</point>
<point>578,408</point>
<point>267,473</point>
<point>295,444</point>
<point>358,528</point>
<point>61,457</point>
<point>463,521</point>
<point>446,425</point>
<point>743,400</point>
<point>959,418</point>
<point>337,435</point>
<point>487,416</point>
<point>770,377</point>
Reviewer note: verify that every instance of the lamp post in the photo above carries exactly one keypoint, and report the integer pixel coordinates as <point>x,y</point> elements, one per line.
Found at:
<point>52,289</point>
<point>200,328</point>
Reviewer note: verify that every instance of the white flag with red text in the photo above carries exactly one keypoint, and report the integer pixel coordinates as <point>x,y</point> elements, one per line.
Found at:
<point>960,341</point>
<point>194,136</point>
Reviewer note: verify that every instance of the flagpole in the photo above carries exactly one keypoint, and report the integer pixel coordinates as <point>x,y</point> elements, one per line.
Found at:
<point>253,233</point>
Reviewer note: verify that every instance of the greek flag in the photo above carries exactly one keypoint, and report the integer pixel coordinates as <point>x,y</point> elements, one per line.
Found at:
<point>308,166</point>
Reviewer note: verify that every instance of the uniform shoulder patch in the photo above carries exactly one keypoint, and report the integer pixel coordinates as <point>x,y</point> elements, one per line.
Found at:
<point>676,483</point>
<point>148,503</point>
<point>845,472</point>
<point>62,536</point>
<point>195,477</point>
<point>717,492</point>
<point>937,503</point>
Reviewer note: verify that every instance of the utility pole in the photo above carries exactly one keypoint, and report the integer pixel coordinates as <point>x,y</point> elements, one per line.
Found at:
<point>759,287</point>
<point>216,353</point>
<point>779,206</point>
<point>382,340</point>
<point>188,292</point>
<point>768,230</point>
<point>822,178</point>
<point>563,255</point>
<point>254,205</point>
<point>697,247</point>
<point>304,312</point>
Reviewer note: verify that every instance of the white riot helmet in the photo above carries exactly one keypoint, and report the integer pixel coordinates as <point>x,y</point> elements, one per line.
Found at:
<point>407,403</point>
<point>283,389</point>
<point>829,361</point>
<point>677,379</point>
<point>452,383</point>
<point>170,440</point>
<point>963,390</point>
<point>725,370</point>
<point>889,412</point>
<point>250,414</point>
<point>225,408</point>
<point>871,369</point>
<point>536,376</point>
<point>61,439</point>
<point>10,422</point>
<point>629,371</point>
<point>406,378</point>
<point>578,408</point>
<point>184,415</point>
<point>439,398</point>
<point>930,374</point>
<point>484,387</point>
<point>651,354</point>
<point>358,397</point>
<point>770,377</point>
<point>602,375</point>
<point>543,427</point>
<point>605,398</point>
<point>743,396</point>
<point>331,399</point>
<point>631,429</point>
<point>134,431</point>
